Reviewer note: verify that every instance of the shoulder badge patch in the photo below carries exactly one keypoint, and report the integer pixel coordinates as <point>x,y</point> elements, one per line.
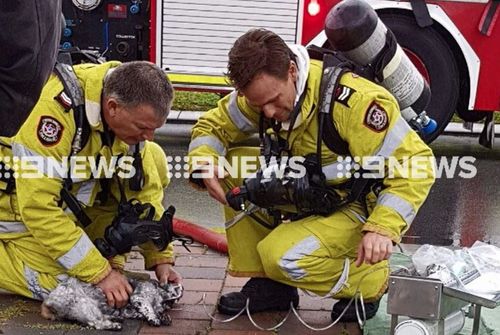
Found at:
<point>376,118</point>
<point>64,100</point>
<point>343,95</point>
<point>49,131</point>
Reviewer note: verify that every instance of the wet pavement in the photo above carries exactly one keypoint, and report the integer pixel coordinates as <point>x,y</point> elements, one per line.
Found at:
<point>461,210</point>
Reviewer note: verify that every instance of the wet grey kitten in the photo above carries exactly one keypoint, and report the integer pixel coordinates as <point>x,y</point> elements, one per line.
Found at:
<point>85,303</point>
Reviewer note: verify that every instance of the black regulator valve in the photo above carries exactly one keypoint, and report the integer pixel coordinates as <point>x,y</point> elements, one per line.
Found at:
<point>134,225</point>
<point>236,198</point>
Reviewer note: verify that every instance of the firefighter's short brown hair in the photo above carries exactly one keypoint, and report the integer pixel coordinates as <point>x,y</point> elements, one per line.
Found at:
<point>257,51</point>
<point>140,82</point>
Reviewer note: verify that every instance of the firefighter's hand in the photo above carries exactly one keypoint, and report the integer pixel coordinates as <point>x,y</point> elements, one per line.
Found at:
<point>373,248</point>
<point>167,274</point>
<point>212,183</point>
<point>116,288</point>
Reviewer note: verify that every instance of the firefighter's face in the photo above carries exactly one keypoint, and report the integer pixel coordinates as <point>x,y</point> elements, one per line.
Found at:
<point>131,124</point>
<point>271,95</point>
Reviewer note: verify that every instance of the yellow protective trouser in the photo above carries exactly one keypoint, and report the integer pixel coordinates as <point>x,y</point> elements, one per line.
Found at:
<point>316,253</point>
<point>25,268</point>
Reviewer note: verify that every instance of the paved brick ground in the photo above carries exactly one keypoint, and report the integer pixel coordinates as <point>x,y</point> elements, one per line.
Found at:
<point>204,272</point>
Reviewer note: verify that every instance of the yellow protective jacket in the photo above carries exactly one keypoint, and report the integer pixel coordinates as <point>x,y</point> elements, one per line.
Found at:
<point>45,141</point>
<point>358,120</point>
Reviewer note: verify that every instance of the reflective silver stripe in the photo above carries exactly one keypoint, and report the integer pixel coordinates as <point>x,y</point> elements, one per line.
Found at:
<point>211,141</point>
<point>238,118</point>
<point>34,286</point>
<point>339,285</point>
<point>288,261</point>
<point>12,227</point>
<point>85,191</point>
<point>93,112</point>
<point>401,206</point>
<point>344,277</point>
<point>44,165</point>
<point>337,170</point>
<point>358,216</point>
<point>77,253</point>
<point>394,138</point>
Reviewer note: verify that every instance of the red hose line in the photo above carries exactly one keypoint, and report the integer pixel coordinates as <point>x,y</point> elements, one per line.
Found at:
<point>200,234</point>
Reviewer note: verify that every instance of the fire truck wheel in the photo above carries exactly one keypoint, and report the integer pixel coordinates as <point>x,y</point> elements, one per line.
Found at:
<point>433,57</point>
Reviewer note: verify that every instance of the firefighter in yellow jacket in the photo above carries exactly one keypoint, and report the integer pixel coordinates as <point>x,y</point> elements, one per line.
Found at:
<point>41,238</point>
<point>334,255</point>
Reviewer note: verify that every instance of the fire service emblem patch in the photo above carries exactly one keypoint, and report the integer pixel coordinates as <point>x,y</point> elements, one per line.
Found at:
<point>376,118</point>
<point>49,131</point>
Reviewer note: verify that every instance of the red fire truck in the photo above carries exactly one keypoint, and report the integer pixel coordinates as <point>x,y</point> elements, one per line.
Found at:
<point>454,44</point>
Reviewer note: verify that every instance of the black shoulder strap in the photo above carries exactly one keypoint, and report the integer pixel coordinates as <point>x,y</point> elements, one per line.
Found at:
<point>334,66</point>
<point>333,69</point>
<point>74,91</point>
<point>316,52</point>
<point>332,72</point>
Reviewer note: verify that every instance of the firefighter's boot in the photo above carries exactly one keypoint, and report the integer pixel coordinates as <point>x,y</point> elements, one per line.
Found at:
<point>264,294</point>
<point>371,309</point>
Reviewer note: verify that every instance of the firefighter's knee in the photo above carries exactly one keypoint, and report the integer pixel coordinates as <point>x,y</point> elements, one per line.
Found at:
<point>279,263</point>
<point>271,259</point>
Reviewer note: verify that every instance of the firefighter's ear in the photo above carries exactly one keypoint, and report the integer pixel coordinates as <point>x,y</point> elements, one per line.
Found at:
<point>292,70</point>
<point>111,106</point>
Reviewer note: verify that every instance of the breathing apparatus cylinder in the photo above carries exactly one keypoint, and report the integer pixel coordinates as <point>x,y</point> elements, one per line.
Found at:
<point>354,29</point>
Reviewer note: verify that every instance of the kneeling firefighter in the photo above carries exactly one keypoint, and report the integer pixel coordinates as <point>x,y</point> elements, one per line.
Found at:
<point>88,182</point>
<point>318,229</point>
